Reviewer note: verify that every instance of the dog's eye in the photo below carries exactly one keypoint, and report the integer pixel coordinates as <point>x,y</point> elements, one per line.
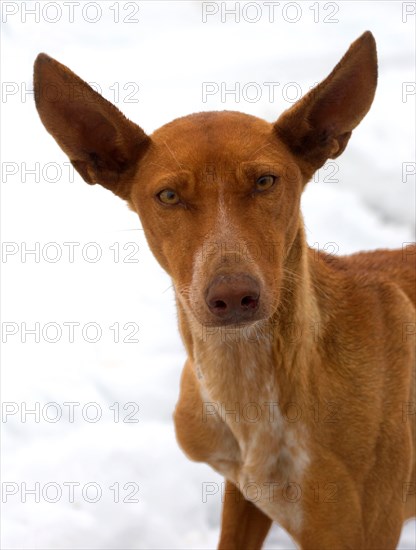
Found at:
<point>265,182</point>
<point>168,196</point>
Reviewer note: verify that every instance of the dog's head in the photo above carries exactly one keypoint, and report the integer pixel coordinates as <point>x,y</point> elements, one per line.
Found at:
<point>218,193</point>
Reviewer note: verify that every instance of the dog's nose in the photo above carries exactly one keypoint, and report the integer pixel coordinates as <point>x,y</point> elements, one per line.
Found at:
<point>233,298</point>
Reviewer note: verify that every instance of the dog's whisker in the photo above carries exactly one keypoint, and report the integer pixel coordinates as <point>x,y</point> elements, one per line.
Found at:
<point>173,156</point>
<point>123,230</point>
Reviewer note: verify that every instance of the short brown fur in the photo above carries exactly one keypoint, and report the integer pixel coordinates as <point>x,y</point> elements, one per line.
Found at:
<point>320,349</point>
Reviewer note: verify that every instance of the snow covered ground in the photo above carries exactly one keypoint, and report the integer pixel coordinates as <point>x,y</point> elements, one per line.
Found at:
<point>96,465</point>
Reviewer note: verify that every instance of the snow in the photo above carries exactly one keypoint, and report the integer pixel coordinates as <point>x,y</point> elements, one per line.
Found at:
<point>169,53</point>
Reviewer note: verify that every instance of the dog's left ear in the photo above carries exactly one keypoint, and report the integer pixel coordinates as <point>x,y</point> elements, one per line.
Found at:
<point>320,124</point>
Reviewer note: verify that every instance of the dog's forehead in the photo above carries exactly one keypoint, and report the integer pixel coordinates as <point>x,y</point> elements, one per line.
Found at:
<point>211,136</point>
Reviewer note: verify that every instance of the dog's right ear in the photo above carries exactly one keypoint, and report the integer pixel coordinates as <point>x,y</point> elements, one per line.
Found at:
<point>102,144</point>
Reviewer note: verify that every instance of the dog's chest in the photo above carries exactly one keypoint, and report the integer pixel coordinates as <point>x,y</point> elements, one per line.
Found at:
<point>259,447</point>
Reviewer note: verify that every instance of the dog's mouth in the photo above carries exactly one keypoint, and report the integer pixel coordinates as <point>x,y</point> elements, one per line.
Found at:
<point>230,332</point>
<point>231,323</point>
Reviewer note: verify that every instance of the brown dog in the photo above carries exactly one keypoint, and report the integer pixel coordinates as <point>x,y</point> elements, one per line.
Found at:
<point>300,383</point>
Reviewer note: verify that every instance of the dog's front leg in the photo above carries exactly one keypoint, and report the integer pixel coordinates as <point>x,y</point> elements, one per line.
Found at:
<point>244,526</point>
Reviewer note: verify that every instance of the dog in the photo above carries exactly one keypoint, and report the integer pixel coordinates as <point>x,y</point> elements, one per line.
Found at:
<point>299,386</point>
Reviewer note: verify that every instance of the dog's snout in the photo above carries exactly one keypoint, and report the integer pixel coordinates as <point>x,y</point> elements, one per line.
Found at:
<point>233,298</point>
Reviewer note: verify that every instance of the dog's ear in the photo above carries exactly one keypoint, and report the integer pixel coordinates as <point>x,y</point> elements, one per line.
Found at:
<point>102,144</point>
<point>320,124</point>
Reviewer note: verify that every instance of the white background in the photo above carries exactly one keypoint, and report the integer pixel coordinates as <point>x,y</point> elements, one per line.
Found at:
<point>361,202</point>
